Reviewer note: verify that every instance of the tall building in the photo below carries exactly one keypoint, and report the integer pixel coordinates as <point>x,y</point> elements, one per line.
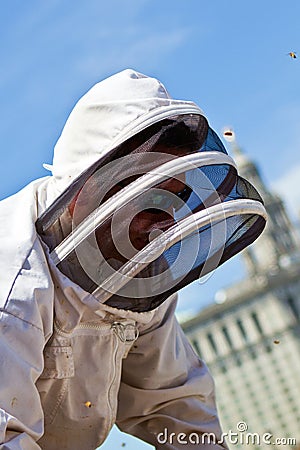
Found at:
<point>250,338</point>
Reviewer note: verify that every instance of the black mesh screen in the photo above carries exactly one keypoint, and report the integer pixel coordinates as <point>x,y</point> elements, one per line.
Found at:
<point>159,209</point>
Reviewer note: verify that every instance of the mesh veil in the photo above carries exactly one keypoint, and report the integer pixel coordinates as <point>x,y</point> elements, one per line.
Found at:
<point>156,213</point>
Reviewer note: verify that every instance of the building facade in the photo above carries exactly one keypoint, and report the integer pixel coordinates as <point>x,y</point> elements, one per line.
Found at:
<point>250,339</point>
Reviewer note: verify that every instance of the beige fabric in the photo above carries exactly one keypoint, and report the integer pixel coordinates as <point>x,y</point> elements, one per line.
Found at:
<point>87,362</point>
<point>70,367</point>
<point>64,361</point>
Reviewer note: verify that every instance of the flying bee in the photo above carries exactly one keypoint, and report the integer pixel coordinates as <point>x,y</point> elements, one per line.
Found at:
<point>292,55</point>
<point>228,134</point>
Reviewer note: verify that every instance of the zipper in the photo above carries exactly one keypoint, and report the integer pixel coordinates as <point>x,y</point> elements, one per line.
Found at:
<point>114,375</point>
<point>88,326</point>
<point>127,332</point>
<point>122,333</point>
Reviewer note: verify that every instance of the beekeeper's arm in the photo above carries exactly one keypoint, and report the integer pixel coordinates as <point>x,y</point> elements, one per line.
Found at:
<point>21,361</point>
<point>26,318</point>
<point>167,389</point>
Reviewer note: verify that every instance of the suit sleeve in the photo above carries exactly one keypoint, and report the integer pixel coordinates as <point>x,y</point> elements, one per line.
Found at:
<point>26,318</point>
<point>21,362</point>
<point>167,394</point>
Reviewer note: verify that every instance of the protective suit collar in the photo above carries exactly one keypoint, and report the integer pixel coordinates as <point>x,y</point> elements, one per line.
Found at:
<point>17,228</point>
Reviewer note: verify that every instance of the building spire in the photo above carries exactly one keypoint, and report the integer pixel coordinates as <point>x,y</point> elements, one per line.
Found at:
<point>240,157</point>
<point>229,136</point>
<point>279,237</point>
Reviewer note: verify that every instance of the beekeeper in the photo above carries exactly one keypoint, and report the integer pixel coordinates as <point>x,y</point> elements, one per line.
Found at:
<point>143,199</point>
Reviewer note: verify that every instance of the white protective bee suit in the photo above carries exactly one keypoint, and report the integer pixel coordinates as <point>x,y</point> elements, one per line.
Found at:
<point>71,365</point>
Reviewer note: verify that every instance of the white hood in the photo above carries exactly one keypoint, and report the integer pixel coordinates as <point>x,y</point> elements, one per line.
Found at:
<point>109,113</point>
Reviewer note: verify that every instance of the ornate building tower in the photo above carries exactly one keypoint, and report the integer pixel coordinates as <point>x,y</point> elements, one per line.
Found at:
<point>279,240</point>
<point>250,338</point>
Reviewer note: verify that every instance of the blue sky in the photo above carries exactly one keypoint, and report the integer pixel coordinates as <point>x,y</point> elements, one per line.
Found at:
<point>230,57</point>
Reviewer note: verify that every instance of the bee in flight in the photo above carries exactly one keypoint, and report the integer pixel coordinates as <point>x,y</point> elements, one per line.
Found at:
<point>292,55</point>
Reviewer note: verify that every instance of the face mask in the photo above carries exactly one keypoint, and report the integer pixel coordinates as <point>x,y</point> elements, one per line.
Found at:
<point>166,208</point>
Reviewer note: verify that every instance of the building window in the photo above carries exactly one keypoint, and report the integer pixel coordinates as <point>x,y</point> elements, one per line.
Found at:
<point>268,347</point>
<point>212,343</point>
<point>257,323</point>
<point>242,329</point>
<point>252,352</point>
<point>227,336</point>
<point>237,359</point>
<point>292,304</point>
<point>221,364</point>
